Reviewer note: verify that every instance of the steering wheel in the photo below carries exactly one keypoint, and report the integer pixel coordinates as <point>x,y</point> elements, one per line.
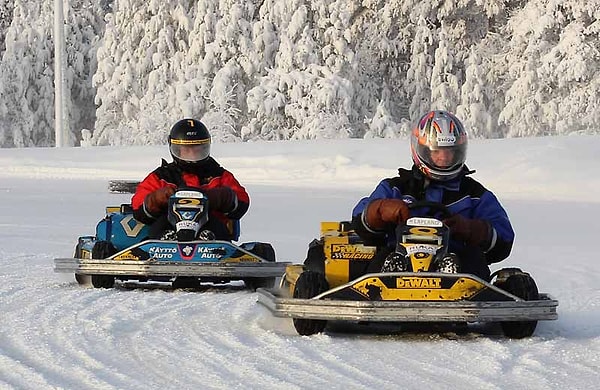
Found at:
<point>434,207</point>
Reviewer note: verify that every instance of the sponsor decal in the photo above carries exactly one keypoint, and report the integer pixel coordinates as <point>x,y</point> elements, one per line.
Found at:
<point>420,221</point>
<point>131,231</point>
<point>159,252</point>
<point>191,225</point>
<point>350,252</point>
<point>421,248</point>
<point>418,282</point>
<point>446,140</point>
<point>187,251</point>
<point>127,256</point>
<point>189,194</point>
<point>188,215</point>
<point>210,253</point>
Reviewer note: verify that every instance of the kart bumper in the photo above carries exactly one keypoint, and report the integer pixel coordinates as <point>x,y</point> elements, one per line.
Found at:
<point>408,311</point>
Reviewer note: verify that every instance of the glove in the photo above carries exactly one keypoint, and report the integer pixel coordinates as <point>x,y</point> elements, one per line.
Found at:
<point>474,232</point>
<point>221,199</point>
<point>157,201</point>
<point>381,212</point>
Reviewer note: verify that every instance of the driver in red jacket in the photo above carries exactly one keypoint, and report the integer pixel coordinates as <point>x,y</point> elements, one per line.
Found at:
<point>192,166</point>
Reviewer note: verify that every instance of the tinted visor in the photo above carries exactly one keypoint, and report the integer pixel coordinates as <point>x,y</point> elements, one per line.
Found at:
<point>190,152</point>
<point>443,158</point>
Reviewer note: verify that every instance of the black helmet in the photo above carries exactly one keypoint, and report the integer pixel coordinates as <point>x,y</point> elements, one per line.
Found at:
<point>189,142</point>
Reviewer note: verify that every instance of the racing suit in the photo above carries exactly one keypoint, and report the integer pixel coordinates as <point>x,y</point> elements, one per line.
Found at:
<point>207,175</point>
<point>461,195</point>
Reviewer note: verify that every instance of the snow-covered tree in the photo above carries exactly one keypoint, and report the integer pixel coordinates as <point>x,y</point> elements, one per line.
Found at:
<point>297,69</point>
<point>554,68</point>
<point>473,109</point>
<point>26,77</point>
<point>84,27</point>
<point>444,79</point>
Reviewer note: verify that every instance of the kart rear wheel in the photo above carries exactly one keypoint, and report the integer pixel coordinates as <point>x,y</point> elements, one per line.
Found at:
<point>264,250</point>
<point>315,258</point>
<point>309,285</point>
<point>523,286</point>
<point>102,250</point>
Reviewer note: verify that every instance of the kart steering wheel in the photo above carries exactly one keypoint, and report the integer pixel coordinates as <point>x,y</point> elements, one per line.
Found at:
<point>433,207</point>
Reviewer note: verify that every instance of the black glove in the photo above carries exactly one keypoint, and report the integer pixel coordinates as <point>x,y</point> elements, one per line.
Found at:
<point>474,232</point>
<point>221,199</point>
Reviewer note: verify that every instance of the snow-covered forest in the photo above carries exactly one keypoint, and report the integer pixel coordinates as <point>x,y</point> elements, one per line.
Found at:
<point>299,69</point>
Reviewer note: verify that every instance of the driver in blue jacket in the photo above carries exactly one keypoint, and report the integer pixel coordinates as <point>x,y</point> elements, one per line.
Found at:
<point>480,230</point>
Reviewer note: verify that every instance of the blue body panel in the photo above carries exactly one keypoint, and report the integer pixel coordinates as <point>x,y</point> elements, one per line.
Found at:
<point>121,229</point>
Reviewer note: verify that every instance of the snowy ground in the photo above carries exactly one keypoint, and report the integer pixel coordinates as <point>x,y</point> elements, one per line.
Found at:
<point>57,334</point>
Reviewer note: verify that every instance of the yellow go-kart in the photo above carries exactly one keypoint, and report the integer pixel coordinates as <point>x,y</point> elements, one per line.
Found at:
<point>332,285</point>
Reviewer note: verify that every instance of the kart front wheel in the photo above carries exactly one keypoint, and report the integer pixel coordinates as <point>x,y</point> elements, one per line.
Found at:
<point>523,286</point>
<point>309,285</point>
<point>103,281</point>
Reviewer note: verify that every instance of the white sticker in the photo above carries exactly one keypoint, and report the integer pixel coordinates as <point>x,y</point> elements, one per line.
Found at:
<point>191,225</point>
<point>424,248</point>
<point>446,140</point>
<point>189,194</point>
<point>420,221</point>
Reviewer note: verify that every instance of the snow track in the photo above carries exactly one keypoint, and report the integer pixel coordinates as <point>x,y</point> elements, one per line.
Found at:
<point>57,334</point>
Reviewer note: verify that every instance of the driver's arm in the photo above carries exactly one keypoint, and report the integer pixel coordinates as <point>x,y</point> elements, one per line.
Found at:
<point>378,214</point>
<point>151,198</point>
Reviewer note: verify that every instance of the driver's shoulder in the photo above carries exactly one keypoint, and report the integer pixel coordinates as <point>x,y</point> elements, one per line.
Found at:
<point>471,187</point>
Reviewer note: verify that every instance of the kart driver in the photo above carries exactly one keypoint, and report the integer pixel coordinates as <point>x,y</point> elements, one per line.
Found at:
<point>192,166</point>
<point>480,231</point>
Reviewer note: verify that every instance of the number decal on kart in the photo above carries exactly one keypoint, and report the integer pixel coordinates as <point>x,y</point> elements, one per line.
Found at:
<point>191,122</point>
<point>423,231</point>
<point>189,201</point>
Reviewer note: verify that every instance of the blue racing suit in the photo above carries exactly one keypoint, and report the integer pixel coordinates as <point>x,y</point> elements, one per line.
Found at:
<point>462,195</point>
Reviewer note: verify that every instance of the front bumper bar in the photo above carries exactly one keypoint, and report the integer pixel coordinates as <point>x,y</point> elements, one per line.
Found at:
<point>155,268</point>
<point>408,311</point>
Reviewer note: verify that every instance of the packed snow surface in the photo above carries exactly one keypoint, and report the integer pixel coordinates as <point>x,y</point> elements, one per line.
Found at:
<point>57,334</point>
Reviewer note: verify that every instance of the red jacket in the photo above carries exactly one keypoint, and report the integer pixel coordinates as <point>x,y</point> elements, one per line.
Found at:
<point>209,175</point>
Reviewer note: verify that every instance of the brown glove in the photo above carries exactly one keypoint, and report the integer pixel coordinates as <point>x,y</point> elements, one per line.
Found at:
<point>381,212</point>
<point>157,201</point>
<point>221,199</point>
<point>474,232</point>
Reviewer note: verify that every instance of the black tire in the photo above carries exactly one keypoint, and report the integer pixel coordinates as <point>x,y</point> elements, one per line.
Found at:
<point>264,250</point>
<point>309,285</point>
<point>523,286</point>
<point>102,250</point>
<point>315,258</point>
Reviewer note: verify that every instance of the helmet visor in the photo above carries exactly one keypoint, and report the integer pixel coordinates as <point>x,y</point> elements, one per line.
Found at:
<point>445,158</point>
<point>190,153</point>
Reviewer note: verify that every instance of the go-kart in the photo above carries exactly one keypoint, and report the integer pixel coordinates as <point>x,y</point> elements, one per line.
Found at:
<point>184,256</point>
<point>424,284</point>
